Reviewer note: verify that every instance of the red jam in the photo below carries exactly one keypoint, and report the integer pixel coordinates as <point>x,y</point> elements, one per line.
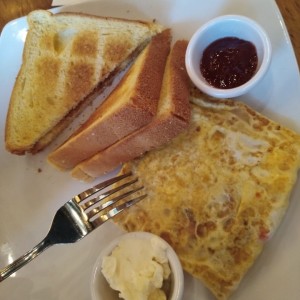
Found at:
<point>228,62</point>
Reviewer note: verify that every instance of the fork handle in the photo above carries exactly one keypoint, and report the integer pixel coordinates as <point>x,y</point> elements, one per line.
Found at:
<point>24,259</point>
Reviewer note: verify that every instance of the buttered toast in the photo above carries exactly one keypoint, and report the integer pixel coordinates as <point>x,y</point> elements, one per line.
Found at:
<point>67,59</point>
<point>172,117</point>
<point>131,105</point>
<point>218,191</point>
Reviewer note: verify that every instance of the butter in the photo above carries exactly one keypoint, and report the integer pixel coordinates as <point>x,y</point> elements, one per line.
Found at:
<point>137,268</point>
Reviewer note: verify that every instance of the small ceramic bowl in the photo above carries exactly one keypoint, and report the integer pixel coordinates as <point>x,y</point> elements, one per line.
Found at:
<point>100,288</point>
<point>228,26</point>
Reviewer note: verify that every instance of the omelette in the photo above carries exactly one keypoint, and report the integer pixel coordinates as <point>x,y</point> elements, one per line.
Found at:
<point>218,191</point>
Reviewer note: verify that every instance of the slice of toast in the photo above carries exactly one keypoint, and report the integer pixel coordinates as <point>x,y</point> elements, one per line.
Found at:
<point>68,59</point>
<point>172,117</point>
<point>131,105</point>
<point>223,187</point>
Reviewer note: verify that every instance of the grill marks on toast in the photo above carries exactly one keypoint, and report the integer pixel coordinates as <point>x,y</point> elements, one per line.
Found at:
<point>67,58</point>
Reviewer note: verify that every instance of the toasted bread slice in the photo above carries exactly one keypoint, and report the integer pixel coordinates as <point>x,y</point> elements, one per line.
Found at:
<point>223,187</point>
<point>131,105</point>
<point>68,58</point>
<point>172,117</point>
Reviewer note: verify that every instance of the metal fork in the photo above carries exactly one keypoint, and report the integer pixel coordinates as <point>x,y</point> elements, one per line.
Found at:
<point>79,216</point>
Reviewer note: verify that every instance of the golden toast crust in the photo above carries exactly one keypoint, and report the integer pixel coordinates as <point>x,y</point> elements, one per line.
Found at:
<point>172,117</point>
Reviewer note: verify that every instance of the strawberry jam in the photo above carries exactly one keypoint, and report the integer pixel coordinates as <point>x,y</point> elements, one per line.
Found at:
<point>228,62</point>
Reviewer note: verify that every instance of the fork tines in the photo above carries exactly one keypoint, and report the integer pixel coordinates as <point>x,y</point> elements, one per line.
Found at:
<point>106,205</point>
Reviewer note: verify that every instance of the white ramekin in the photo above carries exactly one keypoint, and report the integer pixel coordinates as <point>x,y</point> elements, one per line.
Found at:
<point>228,26</point>
<point>101,290</point>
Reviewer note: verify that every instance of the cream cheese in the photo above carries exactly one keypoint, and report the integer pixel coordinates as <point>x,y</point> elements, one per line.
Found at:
<point>137,268</point>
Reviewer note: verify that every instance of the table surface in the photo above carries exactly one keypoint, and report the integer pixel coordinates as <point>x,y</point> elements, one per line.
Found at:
<point>290,10</point>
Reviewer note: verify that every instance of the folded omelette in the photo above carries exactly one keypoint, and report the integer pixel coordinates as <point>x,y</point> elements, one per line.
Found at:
<point>218,191</point>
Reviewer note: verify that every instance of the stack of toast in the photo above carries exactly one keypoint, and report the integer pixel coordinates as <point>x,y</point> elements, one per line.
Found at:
<point>68,64</point>
<point>68,59</point>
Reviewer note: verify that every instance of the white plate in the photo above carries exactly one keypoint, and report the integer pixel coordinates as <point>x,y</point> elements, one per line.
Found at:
<point>31,190</point>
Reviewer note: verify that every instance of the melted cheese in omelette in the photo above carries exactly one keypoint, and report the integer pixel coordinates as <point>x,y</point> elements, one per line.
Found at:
<point>217,192</point>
